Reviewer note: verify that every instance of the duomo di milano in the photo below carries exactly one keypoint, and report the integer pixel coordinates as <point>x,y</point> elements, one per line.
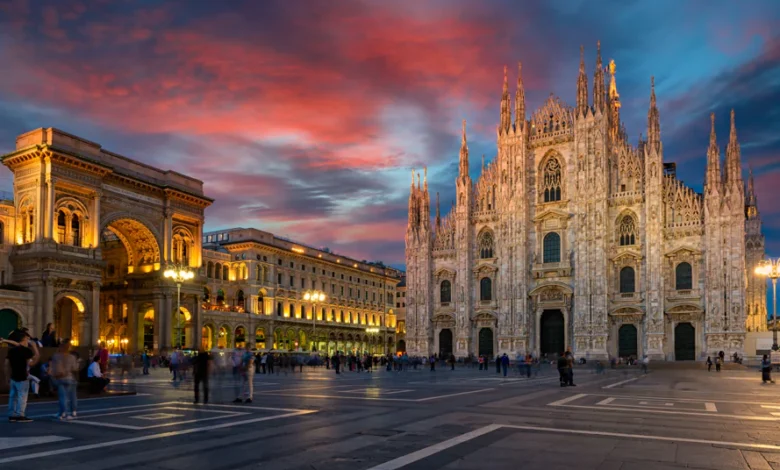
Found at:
<point>574,237</point>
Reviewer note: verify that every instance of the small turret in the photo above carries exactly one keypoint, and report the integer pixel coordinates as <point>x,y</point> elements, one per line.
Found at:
<point>582,86</point>
<point>733,174</point>
<point>464,155</point>
<point>506,112</point>
<point>598,82</point>
<point>712,183</point>
<point>519,99</point>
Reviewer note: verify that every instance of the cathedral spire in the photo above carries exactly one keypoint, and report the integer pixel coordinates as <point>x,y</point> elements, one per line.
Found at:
<point>483,165</point>
<point>653,120</point>
<point>750,198</point>
<point>598,82</point>
<point>712,181</point>
<point>582,86</point>
<point>464,154</point>
<point>438,213</point>
<point>425,179</point>
<point>733,159</point>
<point>506,113</point>
<point>412,204</point>
<point>519,99</point>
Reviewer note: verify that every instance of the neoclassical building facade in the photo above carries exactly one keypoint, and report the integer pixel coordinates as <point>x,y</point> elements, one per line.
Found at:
<point>255,293</point>
<point>574,237</point>
<point>87,235</point>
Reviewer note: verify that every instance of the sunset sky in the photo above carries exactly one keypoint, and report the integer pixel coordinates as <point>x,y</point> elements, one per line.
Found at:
<point>304,118</point>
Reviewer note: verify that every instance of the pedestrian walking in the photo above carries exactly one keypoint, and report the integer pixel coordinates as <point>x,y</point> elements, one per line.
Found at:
<point>336,363</point>
<point>504,363</point>
<point>766,370</point>
<point>709,364</point>
<point>202,365</point>
<point>64,365</point>
<point>528,362</point>
<point>246,372</point>
<point>23,355</point>
<point>146,361</point>
<point>452,362</point>
<point>718,361</point>
<point>498,364</point>
<point>570,367</point>
<point>433,364</point>
<point>645,363</point>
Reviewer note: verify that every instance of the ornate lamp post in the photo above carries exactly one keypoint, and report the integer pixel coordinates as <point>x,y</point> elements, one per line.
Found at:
<point>314,296</point>
<point>771,269</point>
<point>178,275</point>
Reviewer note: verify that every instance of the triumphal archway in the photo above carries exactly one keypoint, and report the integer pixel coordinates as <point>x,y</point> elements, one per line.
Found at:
<point>94,232</point>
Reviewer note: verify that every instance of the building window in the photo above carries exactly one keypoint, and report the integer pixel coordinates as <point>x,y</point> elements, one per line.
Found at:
<point>627,284</point>
<point>445,292</point>
<point>225,272</point>
<point>292,264</point>
<point>61,222</point>
<point>303,283</point>
<point>398,305</point>
<point>627,231</point>
<point>486,245</point>
<point>210,270</point>
<point>292,310</point>
<point>279,261</point>
<point>552,248</point>
<point>279,279</point>
<point>292,281</point>
<point>683,276</point>
<point>303,267</point>
<point>485,289</point>
<point>220,297</point>
<point>551,184</point>
<point>240,298</point>
<point>279,309</point>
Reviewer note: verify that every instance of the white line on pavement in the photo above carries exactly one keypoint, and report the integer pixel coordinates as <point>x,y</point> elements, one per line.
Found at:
<point>567,400</point>
<point>15,442</point>
<point>606,401</point>
<point>100,445</point>
<point>621,383</point>
<point>434,449</point>
<point>640,409</point>
<point>454,394</point>
<point>90,399</point>
<point>709,406</point>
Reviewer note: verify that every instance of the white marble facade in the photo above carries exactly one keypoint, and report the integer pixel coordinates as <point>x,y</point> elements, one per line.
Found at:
<point>572,237</point>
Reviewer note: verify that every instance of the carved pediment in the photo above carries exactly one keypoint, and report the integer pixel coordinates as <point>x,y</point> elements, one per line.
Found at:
<point>625,254</point>
<point>627,311</point>
<point>684,309</point>
<point>552,213</point>
<point>565,288</point>
<point>444,273</point>
<point>484,316</point>
<point>485,268</point>
<point>683,252</point>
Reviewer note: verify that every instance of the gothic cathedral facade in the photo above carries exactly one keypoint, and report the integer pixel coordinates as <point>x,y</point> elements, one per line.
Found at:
<point>572,237</point>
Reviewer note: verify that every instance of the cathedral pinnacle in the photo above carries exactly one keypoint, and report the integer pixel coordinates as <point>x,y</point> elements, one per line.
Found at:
<point>598,82</point>
<point>712,181</point>
<point>464,154</point>
<point>438,213</point>
<point>733,158</point>
<point>519,99</point>
<point>582,86</point>
<point>506,113</point>
<point>653,120</point>
<point>425,179</point>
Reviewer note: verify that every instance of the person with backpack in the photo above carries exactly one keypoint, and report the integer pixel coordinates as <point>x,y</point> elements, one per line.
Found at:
<point>23,355</point>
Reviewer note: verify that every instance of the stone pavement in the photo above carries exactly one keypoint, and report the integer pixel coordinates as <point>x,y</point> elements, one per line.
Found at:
<point>466,419</point>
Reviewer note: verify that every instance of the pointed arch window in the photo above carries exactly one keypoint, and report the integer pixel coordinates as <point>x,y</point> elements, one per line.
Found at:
<point>485,289</point>
<point>551,180</point>
<point>683,276</point>
<point>551,248</point>
<point>627,231</point>
<point>445,292</point>
<point>627,280</point>
<point>486,245</point>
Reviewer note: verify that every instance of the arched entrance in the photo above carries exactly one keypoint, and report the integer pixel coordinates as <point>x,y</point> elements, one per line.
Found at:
<point>207,337</point>
<point>9,321</point>
<point>240,337</point>
<point>148,327</point>
<point>222,338</point>
<point>401,346</point>
<point>627,341</point>
<point>552,336</point>
<point>486,342</point>
<point>445,343</point>
<point>181,328</point>
<point>260,338</point>
<point>684,342</point>
<point>66,318</point>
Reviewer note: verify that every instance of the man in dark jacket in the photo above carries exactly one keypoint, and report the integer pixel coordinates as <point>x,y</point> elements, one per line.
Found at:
<point>564,376</point>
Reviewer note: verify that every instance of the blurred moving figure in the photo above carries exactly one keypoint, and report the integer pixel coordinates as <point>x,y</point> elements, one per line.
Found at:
<point>201,369</point>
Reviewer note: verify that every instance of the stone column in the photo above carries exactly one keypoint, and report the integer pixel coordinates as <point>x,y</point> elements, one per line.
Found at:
<point>47,315</point>
<point>166,319</point>
<point>134,338</point>
<point>167,232</point>
<point>197,325</point>
<point>96,219</point>
<point>95,315</point>
<point>159,333</point>
<point>49,229</point>
<point>40,209</point>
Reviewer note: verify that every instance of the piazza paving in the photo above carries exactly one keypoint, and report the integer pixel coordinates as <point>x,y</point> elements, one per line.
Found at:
<point>417,419</point>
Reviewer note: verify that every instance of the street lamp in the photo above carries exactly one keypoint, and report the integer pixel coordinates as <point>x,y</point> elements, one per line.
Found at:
<point>771,269</point>
<point>178,275</point>
<point>314,296</point>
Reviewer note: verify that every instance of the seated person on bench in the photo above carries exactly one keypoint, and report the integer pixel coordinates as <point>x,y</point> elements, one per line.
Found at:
<point>96,380</point>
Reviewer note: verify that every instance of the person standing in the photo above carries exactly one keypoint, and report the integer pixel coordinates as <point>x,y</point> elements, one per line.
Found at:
<point>504,363</point>
<point>645,363</point>
<point>49,337</point>
<point>64,365</point>
<point>20,358</point>
<point>718,361</point>
<point>570,367</point>
<point>709,364</point>
<point>269,362</point>
<point>103,354</point>
<point>498,364</point>
<point>201,369</point>
<point>766,370</point>
<point>452,361</point>
<point>246,370</point>
<point>529,360</point>
<point>564,378</point>
<point>336,363</point>
<point>433,363</point>
<point>146,361</point>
